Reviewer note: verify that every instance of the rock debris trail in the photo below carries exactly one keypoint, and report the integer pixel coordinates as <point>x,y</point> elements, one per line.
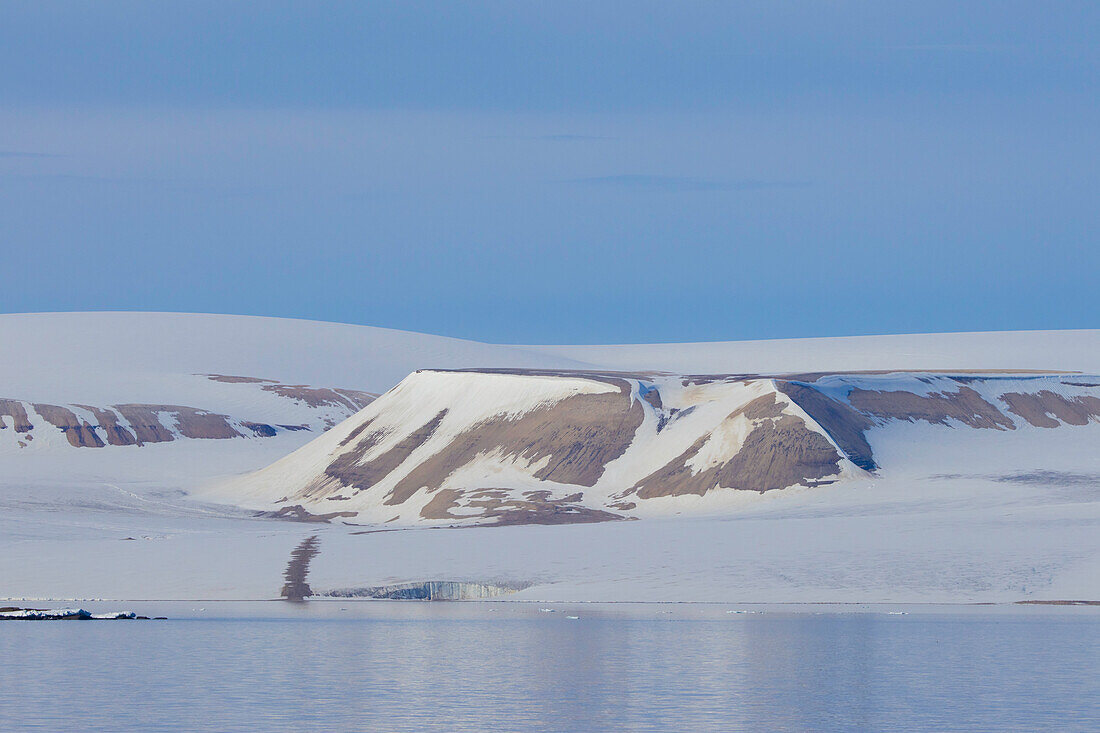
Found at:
<point>297,569</point>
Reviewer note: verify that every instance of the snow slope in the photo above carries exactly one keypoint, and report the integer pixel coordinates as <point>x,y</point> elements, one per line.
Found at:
<point>114,356</point>
<point>1033,350</point>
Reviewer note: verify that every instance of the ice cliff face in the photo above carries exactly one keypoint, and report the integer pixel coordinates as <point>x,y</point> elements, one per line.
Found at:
<point>550,447</point>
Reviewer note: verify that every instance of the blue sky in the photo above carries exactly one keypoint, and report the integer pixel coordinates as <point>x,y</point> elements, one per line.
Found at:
<point>557,172</point>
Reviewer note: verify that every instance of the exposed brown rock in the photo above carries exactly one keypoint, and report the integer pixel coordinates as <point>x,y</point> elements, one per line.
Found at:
<point>320,396</point>
<point>144,420</point>
<point>490,493</point>
<point>779,452</point>
<point>347,469</point>
<point>192,422</point>
<point>78,432</point>
<point>525,512</point>
<point>145,423</point>
<point>18,413</point>
<point>761,408</point>
<point>1045,408</point>
<point>536,508</point>
<point>357,431</point>
<point>108,423</point>
<point>843,424</point>
<point>195,423</point>
<point>580,435</point>
<point>299,513</point>
<point>441,504</point>
<point>357,397</point>
<point>653,397</point>
<point>966,406</point>
<point>352,399</point>
<point>230,379</point>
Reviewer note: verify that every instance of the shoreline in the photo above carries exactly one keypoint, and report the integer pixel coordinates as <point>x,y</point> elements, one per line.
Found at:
<point>328,601</point>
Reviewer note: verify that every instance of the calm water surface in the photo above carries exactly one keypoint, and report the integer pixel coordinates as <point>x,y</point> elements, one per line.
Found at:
<point>509,666</point>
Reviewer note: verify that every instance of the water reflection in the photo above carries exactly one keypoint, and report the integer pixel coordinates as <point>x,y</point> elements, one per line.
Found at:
<point>510,667</point>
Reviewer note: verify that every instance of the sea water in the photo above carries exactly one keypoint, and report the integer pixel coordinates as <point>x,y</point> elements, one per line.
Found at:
<point>355,665</point>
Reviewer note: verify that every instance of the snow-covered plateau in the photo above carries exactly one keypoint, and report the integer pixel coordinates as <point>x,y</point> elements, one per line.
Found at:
<point>183,456</point>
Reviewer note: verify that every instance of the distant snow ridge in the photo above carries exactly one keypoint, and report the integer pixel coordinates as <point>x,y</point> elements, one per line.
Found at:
<point>520,446</point>
<point>135,424</point>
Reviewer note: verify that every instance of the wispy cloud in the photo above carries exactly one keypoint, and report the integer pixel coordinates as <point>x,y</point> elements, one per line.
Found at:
<point>26,154</point>
<point>555,138</point>
<point>959,47</point>
<point>682,183</point>
<point>568,138</point>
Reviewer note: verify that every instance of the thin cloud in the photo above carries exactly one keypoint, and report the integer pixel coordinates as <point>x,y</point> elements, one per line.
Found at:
<point>965,47</point>
<point>574,138</point>
<point>682,184</point>
<point>26,154</point>
<point>556,138</point>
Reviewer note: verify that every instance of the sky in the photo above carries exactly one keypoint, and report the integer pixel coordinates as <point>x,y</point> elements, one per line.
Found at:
<point>566,172</point>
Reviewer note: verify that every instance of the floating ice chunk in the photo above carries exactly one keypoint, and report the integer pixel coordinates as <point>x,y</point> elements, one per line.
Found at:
<point>34,614</point>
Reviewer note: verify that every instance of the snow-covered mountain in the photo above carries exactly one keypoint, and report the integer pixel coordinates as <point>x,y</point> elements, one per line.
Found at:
<point>91,394</point>
<point>552,447</point>
<point>784,475</point>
